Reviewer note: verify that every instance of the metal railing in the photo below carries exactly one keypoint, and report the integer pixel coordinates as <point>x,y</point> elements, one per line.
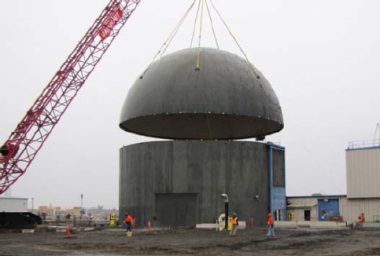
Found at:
<point>363,144</point>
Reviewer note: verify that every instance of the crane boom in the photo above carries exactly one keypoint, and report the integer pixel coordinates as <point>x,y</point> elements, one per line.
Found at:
<point>26,140</point>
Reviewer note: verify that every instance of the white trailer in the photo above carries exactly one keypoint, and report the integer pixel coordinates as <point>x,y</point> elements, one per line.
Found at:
<point>13,204</point>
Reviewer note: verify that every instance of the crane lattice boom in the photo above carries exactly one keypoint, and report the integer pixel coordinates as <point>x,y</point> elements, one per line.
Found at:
<point>30,134</point>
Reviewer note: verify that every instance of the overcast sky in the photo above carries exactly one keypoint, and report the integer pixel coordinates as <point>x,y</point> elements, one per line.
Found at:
<point>321,57</point>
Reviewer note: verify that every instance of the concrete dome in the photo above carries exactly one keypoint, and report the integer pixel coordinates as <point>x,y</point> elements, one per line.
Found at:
<point>222,100</point>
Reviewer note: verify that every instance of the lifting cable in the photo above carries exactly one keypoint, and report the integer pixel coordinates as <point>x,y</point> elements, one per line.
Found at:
<point>195,24</point>
<point>200,38</point>
<point>166,44</point>
<point>255,71</point>
<point>211,22</point>
<point>234,38</point>
<point>212,25</point>
<point>199,14</point>
<point>174,32</point>
<point>201,5</point>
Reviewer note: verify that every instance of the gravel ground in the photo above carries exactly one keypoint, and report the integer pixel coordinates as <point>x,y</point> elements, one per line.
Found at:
<point>194,242</point>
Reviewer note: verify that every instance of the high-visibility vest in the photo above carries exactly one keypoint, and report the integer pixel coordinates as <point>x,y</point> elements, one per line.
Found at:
<point>128,219</point>
<point>270,220</point>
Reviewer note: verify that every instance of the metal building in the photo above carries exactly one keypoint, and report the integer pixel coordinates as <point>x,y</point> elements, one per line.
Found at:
<point>363,172</point>
<point>363,179</point>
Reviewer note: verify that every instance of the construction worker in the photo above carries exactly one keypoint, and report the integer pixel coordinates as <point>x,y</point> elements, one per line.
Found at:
<point>235,224</point>
<point>270,223</point>
<point>129,222</point>
<point>361,218</point>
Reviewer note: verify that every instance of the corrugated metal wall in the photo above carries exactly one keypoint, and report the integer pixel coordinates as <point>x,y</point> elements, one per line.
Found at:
<point>350,209</point>
<point>363,173</point>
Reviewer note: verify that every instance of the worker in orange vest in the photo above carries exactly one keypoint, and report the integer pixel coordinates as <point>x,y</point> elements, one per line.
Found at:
<point>234,224</point>
<point>129,222</point>
<point>270,223</point>
<point>361,218</point>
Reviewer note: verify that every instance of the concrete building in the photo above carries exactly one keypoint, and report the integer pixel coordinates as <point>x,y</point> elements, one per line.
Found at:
<point>51,212</point>
<point>203,99</point>
<point>179,183</point>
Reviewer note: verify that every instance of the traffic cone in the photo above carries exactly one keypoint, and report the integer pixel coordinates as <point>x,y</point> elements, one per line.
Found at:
<point>149,226</point>
<point>68,230</point>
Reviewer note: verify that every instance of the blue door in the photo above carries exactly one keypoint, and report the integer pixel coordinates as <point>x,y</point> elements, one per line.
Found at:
<point>327,208</point>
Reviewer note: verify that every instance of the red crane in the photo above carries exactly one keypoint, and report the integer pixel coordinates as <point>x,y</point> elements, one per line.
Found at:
<point>22,146</point>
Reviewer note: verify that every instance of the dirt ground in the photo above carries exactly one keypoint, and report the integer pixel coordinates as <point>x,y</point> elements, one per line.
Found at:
<point>194,242</point>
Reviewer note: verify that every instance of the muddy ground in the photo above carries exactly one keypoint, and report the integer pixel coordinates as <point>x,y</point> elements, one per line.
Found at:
<point>194,242</point>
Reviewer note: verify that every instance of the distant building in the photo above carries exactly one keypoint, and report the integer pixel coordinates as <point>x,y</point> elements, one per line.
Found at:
<point>56,213</point>
<point>363,190</point>
<point>316,207</point>
<point>363,179</point>
<point>49,212</point>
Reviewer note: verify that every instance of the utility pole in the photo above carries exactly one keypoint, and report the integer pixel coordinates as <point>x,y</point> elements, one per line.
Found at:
<point>225,196</point>
<point>81,205</point>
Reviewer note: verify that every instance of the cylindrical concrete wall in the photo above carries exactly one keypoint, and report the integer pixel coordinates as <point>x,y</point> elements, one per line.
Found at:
<point>179,183</point>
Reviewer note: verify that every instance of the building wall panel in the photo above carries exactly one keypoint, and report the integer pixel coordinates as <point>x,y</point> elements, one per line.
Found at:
<point>351,208</point>
<point>363,173</point>
<point>297,207</point>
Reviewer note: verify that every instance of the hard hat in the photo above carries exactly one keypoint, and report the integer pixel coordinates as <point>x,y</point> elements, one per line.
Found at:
<point>234,214</point>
